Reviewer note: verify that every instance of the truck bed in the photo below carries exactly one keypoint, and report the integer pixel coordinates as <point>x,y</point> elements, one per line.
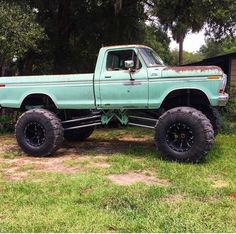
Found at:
<point>67,91</point>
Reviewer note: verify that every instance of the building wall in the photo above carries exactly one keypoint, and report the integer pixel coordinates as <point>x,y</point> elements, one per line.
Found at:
<point>233,73</point>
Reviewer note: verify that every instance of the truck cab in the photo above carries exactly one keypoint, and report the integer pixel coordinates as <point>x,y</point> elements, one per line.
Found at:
<point>149,81</point>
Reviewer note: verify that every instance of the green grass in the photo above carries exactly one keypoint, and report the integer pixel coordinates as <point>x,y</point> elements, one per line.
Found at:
<point>88,202</point>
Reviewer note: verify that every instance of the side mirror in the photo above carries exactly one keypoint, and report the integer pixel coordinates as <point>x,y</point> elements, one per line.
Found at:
<point>129,64</point>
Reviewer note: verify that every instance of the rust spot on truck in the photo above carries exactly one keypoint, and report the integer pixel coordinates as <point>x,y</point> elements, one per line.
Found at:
<point>192,68</point>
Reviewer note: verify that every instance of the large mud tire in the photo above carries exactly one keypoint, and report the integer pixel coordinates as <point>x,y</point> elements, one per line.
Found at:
<point>39,132</point>
<point>79,134</point>
<point>184,134</point>
<point>213,115</point>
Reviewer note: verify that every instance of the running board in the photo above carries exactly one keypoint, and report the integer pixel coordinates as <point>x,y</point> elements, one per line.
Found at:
<point>143,122</point>
<point>141,125</point>
<point>82,126</point>
<point>95,120</point>
<point>83,122</point>
<point>81,119</point>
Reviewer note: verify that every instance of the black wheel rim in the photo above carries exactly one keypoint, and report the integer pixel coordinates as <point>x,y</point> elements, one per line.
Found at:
<point>34,134</point>
<point>179,137</point>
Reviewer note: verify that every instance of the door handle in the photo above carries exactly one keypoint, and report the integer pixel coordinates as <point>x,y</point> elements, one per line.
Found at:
<point>107,77</point>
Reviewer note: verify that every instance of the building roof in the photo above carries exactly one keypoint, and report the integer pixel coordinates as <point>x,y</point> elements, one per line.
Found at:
<point>214,59</point>
<point>221,56</point>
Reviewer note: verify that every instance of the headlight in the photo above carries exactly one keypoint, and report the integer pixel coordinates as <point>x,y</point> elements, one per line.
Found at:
<point>223,83</point>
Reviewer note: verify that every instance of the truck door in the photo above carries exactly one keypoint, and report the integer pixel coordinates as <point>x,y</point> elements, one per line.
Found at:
<point>117,88</point>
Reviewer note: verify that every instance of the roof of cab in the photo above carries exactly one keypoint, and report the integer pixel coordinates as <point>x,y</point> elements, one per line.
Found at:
<point>126,46</point>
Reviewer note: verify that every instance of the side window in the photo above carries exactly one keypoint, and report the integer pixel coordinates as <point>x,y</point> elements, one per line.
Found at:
<point>116,60</point>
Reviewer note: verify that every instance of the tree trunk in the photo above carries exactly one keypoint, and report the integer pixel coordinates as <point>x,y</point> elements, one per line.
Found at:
<point>117,6</point>
<point>4,66</point>
<point>28,63</point>
<point>61,54</point>
<point>181,42</point>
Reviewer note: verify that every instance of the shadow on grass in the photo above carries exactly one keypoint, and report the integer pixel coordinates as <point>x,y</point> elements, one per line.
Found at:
<point>109,147</point>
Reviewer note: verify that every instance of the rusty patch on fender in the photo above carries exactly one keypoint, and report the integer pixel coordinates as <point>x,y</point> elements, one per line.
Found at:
<point>192,68</point>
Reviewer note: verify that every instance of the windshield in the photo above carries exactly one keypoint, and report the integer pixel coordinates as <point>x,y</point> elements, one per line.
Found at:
<point>150,57</point>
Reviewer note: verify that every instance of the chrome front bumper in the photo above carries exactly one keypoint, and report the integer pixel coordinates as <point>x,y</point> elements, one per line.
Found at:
<point>223,99</point>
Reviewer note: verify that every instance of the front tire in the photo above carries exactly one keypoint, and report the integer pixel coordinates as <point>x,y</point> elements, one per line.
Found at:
<point>184,134</point>
<point>213,115</point>
<point>39,132</point>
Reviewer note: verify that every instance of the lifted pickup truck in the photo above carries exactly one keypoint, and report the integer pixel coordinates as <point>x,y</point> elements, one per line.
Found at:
<point>132,85</point>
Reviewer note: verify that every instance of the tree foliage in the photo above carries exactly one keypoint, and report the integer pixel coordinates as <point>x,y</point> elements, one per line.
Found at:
<point>19,32</point>
<point>188,57</point>
<point>159,41</point>
<point>213,48</point>
<point>76,29</point>
<point>181,17</point>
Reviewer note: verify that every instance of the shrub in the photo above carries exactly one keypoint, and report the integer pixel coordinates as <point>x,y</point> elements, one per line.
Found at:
<point>229,114</point>
<point>229,111</point>
<point>6,124</point>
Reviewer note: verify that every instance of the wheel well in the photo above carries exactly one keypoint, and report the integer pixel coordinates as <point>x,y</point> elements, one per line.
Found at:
<point>185,97</point>
<point>38,100</point>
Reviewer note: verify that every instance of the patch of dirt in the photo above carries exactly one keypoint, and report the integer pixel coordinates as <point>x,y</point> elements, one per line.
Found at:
<point>99,165</point>
<point>16,176</point>
<point>16,170</point>
<point>93,151</point>
<point>135,139</point>
<point>173,198</point>
<point>57,165</point>
<point>213,198</point>
<point>108,147</point>
<point>86,191</point>
<point>92,147</point>
<point>219,184</point>
<point>233,196</point>
<point>20,167</point>
<point>10,148</point>
<point>134,177</point>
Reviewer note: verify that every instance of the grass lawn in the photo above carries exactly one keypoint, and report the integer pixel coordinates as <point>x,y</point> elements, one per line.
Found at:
<point>116,182</point>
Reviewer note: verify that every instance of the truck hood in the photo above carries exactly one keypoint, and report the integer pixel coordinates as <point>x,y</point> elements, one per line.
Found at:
<point>191,71</point>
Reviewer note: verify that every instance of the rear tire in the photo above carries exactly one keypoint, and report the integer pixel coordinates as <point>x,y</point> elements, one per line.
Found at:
<point>79,134</point>
<point>39,132</point>
<point>184,134</point>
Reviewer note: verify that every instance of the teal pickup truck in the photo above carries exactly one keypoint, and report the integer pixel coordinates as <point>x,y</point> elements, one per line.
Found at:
<point>131,85</point>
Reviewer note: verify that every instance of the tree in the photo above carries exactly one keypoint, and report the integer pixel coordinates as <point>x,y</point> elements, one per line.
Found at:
<point>181,17</point>
<point>159,41</point>
<point>19,33</point>
<point>213,48</point>
<point>75,38</point>
<point>188,57</point>
<point>77,29</point>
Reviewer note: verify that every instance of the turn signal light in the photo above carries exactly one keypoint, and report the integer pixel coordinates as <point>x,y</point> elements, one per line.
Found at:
<point>213,77</point>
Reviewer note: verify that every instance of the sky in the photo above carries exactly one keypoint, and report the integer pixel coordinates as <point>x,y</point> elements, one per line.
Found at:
<point>192,42</point>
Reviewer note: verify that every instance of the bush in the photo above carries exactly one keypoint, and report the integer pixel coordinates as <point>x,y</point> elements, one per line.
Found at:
<point>229,111</point>
<point>228,114</point>
<point>6,124</point>
<point>8,118</point>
